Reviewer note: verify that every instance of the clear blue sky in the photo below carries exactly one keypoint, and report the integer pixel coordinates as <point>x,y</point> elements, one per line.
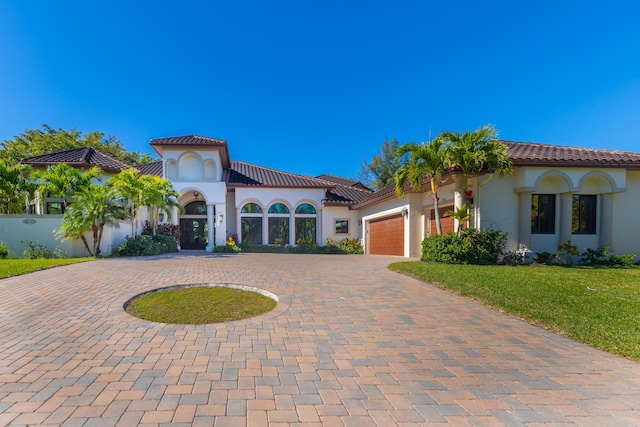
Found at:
<point>313,87</point>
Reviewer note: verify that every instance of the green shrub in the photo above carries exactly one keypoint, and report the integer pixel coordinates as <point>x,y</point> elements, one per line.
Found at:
<point>4,251</point>
<point>603,257</point>
<point>567,252</point>
<point>467,247</point>
<point>145,244</point>
<point>351,246</point>
<point>543,258</point>
<point>36,250</point>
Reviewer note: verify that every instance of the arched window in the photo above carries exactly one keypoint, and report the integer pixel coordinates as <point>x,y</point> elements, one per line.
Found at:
<point>278,208</point>
<point>251,223</point>
<point>195,208</point>
<point>251,208</point>
<point>305,221</point>
<point>279,224</point>
<point>306,208</point>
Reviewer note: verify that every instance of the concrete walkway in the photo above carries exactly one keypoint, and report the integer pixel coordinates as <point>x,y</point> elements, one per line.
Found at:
<point>350,344</point>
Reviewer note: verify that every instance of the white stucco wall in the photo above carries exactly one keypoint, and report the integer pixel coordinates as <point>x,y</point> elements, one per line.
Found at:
<point>497,207</point>
<point>625,224</point>
<point>41,229</point>
<point>332,213</point>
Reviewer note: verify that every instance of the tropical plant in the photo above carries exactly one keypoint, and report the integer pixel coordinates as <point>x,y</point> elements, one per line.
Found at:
<point>472,151</point>
<point>14,187</point>
<point>159,196</point>
<point>130,185</point>
<point>426,160</point>
<point>63,181</point>
<point>4,251</point>
<point>94,207</point>
<point>462,215</point>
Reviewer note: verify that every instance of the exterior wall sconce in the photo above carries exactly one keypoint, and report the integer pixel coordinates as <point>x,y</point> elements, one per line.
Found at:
<point>360,222</point>
<point>405,212</point>
<point>161,217</point>
<point>220,218</point>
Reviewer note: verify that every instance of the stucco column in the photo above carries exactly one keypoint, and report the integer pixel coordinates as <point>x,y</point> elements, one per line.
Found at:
<point>564,233</point>
<point>292,228</point>
<point>524,226</point>
<point>175,216</point>
<point>221,226</point>
<point>265,228</point>
<point>211,224</point>
<point>458,197</point>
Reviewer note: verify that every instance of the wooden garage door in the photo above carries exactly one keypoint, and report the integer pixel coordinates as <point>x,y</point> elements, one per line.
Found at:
<point>386,236</point>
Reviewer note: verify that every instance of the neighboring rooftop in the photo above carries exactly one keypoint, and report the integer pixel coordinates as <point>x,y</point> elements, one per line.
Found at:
<point>85,157</point>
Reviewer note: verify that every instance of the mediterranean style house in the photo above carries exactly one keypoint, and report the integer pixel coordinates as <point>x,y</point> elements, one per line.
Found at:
<point>555,194</point>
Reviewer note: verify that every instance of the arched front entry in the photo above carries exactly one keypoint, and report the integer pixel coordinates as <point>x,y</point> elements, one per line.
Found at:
<point>194,229</point>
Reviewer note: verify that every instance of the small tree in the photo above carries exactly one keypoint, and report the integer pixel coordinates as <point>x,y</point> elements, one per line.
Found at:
<point>129,184</point>
<point>381,171</point>
<point>462,215</point>
<point>94,207</point>
<point>159,196</point>
<point>429,161</point>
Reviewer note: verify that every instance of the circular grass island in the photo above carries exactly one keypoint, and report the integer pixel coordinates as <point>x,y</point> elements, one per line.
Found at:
<point>201,304</point>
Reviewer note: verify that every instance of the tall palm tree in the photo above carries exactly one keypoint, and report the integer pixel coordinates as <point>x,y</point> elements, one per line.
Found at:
<point>94,207</point>
<point>62,180</point>
<point>129,184</point>
<point>470,152</point>
<point>159,196</point>
<point>428,160</point>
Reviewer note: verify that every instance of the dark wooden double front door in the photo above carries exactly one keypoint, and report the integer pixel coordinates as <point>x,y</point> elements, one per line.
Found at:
<point>193,233</point>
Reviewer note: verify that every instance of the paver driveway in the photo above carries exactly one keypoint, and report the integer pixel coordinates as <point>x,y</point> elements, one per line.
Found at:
<point>350,343</point>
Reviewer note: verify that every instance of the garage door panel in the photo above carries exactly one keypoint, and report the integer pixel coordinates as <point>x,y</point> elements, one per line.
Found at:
<point>386,236</point>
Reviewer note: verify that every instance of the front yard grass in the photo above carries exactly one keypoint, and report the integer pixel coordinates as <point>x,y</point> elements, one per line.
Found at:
<point>595,306</point>
<point>16,266</point>
<point>199,305</point>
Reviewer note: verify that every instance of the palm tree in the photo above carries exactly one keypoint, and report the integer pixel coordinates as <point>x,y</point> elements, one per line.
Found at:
<point>94,207</point>
<point>62,180</point>
<point>462,215</point>
<point>129,184</point>
<point>13,187</point>
<point>159,196</point>
<point>470,152</point>
<point>428,160</point>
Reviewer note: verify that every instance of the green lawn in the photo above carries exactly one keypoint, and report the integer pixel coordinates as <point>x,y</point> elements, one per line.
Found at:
<point>596,306</point>
<point>14,267</point>
<point>199,305</point>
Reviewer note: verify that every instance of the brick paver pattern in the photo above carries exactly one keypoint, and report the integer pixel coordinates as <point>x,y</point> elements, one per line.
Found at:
<point>350,344</point>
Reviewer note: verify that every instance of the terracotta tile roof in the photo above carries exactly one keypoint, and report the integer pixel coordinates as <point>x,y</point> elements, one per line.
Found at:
<point>84,157</point>
<point>194,140</point>
<point>242,174</point>
<point>154,168</point>
<point>342,195</point>
<point>343,181</point>
<point>188,140</point>
<point>532,154</point>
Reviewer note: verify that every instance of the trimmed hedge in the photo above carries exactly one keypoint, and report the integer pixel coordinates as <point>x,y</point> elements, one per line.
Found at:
<point>148,245</point>
<point>471,246</point>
